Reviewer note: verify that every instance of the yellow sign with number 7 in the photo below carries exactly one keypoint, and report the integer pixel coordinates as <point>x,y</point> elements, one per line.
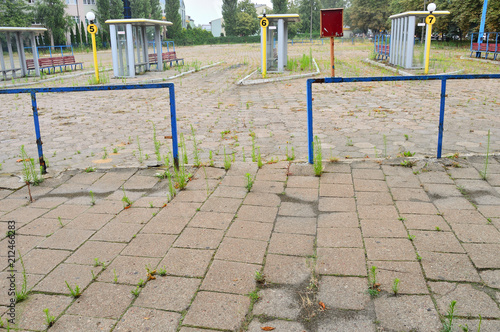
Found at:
<point>430,19</point>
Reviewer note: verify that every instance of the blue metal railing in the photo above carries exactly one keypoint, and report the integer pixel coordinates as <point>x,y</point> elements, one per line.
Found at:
<point>33,92</point>
<point>382,43</point>
<point>50,49</point>
<point>443,79</point>
<point>489,44</point>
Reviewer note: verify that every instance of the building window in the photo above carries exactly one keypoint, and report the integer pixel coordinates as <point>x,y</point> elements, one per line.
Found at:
<point>89,2</point>
<point>71,2</point>
<point>76,19</point>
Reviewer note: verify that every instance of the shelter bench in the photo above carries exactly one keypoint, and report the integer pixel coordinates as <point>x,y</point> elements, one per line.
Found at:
<point>53,63</point>
<point>487,48</point>
<point>166,57</point>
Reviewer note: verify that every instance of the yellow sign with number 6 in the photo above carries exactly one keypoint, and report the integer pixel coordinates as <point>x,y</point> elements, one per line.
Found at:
<point>264,22</point>
<point>430,19</point>
<point>92,28</point>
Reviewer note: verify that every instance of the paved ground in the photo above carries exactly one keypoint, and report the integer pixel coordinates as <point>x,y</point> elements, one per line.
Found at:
<point>435,227</point>
<point>352,120</point>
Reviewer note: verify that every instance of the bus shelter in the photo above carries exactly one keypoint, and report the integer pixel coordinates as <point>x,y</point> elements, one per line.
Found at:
<point>18,65</point>
<point>402,41</point>
<point>129,45</point>
<point>277,40</point>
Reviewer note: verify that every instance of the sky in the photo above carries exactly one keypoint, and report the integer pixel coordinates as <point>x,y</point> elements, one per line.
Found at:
<point>204,11</point>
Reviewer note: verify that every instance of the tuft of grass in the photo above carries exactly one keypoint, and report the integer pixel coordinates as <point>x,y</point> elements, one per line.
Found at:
<point>140,150</point>
<point>89,169</point>
<point>259,158</point>
<point>76,292</point>
<point>135,292</point>
<point>408,163</point>
<point>448,322</point>
<point>395,286</point>
<point>484,173</point>
<point>49,319</point>
<point>126,201</point>
<point>162,271</point>
<point>227,160</point>
<point>197,161</point>
<point>259,277</point>
<point>92,198</point>
<point>318,157</point>
<point>250,181</point>
<point>254,296</point>
<point>23,293</point>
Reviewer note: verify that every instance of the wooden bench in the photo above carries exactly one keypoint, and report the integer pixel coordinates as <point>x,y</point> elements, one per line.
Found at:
<point>486,48</point>
<point>69,60</point>
<point>52,63</point>
<point>382,51</point>
<point>165,57</point>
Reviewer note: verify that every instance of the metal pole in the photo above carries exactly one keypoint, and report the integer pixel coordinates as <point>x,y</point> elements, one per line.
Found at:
<point>173,124</point>
<point>94,48</point>
<point>310,122</point>
<point>332,56</point>
<point>38,135</point>
<point>441,118</point>
<point>428,48</point>
<point>481,28</point>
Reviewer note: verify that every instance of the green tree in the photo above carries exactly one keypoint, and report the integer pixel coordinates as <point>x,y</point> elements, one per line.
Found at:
<point>51,13</point>
<point>172,15</point>
<point>229,14</point>
<point>140,8</point>
<point>309,15</point>
<point>83,33</point>
<point>15,13</point>
<point>108,9</point>
<point>280,6</point>
<point>246,18</point>
<point>155,10</point>
<point>334,3</point>
<point>78,36</point>
<point>369,14</point>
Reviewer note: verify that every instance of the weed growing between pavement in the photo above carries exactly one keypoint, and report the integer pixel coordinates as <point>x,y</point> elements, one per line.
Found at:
<point>140,150</point>
<point>259,159</point>
<point>156,143</point>
<point>182,177</point>
<point>395,286</point>
<point>197,161</point>
<point>292,156</point>
<point>373,289</point>
<point>484,173</point>
<point>92,198</point>
<point>126,201</point>
<point>318,157</point>
<point>23,293</point>
<point>49,319</point>
<point>448,322</point>
<point>30,174</point>
<point>249,182</point>
<point>183,148</point>
<point>76,292</point>
<point>227,160</point>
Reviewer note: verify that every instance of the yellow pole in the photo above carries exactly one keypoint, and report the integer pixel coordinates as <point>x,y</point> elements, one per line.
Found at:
<point>428,48</point>
<point>264,54</point>
<point>95,57</point>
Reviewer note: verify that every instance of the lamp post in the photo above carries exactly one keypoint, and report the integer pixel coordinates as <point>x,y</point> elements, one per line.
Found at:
<point>430,20</point>
<point>92,29</point>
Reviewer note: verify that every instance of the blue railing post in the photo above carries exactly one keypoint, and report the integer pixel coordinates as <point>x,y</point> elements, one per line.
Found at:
<point>441,118</point>
<point>173,123</point>
<point>39,143</point>
<point>310,121</point>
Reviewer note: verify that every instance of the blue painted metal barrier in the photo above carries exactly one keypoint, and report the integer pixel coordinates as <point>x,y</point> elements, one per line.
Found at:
<point>33,92</point>
<point>443,79</point>
<point>38,48</point>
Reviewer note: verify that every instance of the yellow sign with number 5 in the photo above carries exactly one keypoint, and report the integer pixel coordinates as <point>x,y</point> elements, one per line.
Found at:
<point>92,28</point>
<point>430,19</point>
<point>264,22</point>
